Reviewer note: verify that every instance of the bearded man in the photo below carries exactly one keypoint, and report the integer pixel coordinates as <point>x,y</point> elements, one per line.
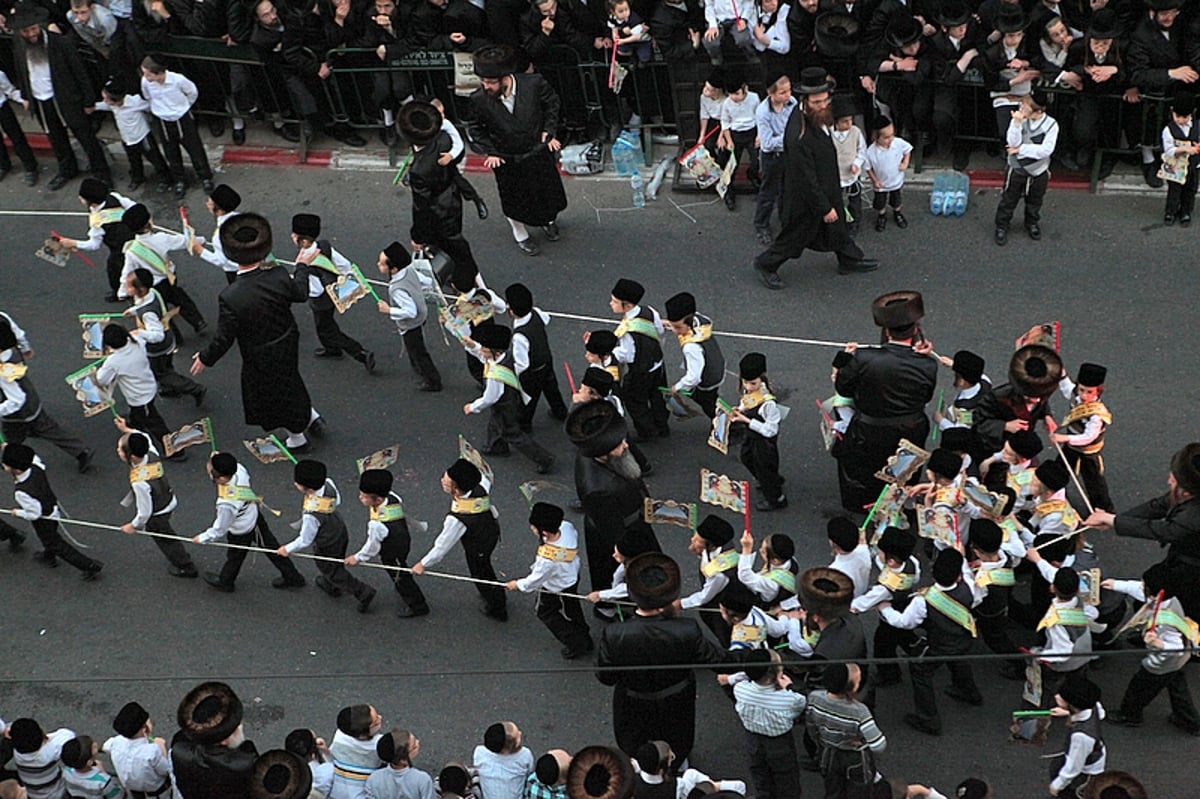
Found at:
<point>811,205</point>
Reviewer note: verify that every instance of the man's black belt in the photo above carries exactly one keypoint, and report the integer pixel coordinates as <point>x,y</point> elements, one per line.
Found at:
<point>661,693</point>
<point>891,421</point>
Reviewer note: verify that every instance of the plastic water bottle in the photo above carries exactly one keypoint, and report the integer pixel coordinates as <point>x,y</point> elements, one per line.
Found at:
<point>639,189</point>
<point>622,156</point>
<point>962,183</point>
<point>937,200</point>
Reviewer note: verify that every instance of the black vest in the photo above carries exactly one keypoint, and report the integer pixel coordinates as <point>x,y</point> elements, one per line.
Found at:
<point>331,530</point>
<point>116,234</point>
<point>37,486</point>
<point>33,405</point>
<point>159,308</point>
<point>647,350</point>
<point>900,599</point>
<point>539,345</point>
<point>160,489</point>
<point>714,364</point>
<point>945,634</point>
<point>397,540</point>
<point>651,790</point>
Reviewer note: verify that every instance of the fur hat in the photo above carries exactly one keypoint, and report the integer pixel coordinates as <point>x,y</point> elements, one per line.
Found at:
<point>280,774</point>
<point>968,366</point>
<point>377,482</point>
<point>1113,785</point>
<point>1054,475</point>
<point>136,217</point>
<point>92,190</point>
<point>629,291</point>
<point>1185,465</point>
<point>225,198</point>
<point>130,718</point>
<point>752,366</point>
<point>17,456</point>
<point>1092,375</point>
<point>1026,443</point>
<point>600,772</point>
<point>680,307</point>
<point>546,517</point>
<point>826,592</point>
<point>306,225</point>
<point>836,35</point>
<point>310,474</point>
<point>898,309</point>
<point>595,428</point>
<point>210,712</point>
<point>493,336</point>
<point>419,123</point>
<point>715,530</point>
<point>246,238</point>
<point>599,380</point>
<point>495,61</point>
<point>902,31</point>
<point>601,342</point>
<point>465,474</point>
<point>896,543</point>
<point>1035,370</point>
<point>397,255</point>
<point>1079,692</point>
<point>653,580</point>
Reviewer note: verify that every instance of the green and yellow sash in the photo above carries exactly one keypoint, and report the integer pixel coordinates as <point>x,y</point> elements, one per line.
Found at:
<point>696,335</point>
<point>235,493</point>
<point>749,634</point>
<point>145,472</point>
<point>387,513</point>
<point>496,371</point>
<point>721,563</point>
<point>316,504</point>
<point>557,554</point>
<point>1000,577</point>
<point>1188,628</point>
<point>105,216</point>
<point>471,506</point>
<point>321,261</point>
<point>895,581</point>
<point>643,327</point>
<point>781,577</point>
<point>1085,409</point>
<point>1065,617</point>
<point>755,398</point>
<point>152,259</point>
<point>950,607</point>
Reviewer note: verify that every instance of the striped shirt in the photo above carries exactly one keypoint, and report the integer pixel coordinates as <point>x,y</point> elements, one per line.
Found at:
<point>767,709</point>
<point>40,770</point>
<point>92,783</point>
<point>842,723</point>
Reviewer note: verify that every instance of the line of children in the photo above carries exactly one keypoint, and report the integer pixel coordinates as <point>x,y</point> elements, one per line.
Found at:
<point>888,157</point>
<point>760,413</point>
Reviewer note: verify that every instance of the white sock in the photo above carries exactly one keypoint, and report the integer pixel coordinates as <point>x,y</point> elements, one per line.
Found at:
<point>389,117</point>
<point>518,229</point>
<point>239,123</point>
<point>312,414</point>
<point>1147,154</point>
<point>295,440</point>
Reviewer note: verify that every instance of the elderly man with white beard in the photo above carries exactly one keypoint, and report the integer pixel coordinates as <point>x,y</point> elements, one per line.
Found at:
<point>609,483</point>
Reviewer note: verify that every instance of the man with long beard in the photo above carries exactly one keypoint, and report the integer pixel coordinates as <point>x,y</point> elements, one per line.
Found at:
<point>811,206</point>
<point>609,482</point>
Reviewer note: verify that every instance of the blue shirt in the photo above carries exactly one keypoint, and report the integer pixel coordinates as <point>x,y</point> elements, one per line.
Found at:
<point>772,124</point>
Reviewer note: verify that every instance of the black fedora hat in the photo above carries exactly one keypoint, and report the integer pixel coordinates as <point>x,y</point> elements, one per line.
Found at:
<point>954,13</point>
<point>1104,24</point>
<point>902,31</point>
<point>27,15</point>
<point>814,80</point>
<point>1011,19</point>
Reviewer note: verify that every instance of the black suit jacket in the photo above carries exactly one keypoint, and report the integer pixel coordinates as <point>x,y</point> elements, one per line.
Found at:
<point>811,186</point>
<point>535,111</point>
<point>1150,56</point>
<point>891,381</point>
<point>73,88</point>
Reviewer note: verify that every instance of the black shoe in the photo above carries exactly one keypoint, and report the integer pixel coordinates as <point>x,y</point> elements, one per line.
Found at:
<point>546,466</point>
<point>1185,220</point>
<point>16,542</point>
<point>411,613</point>
<point>288,132</point>
<point>1034,231</point>
<point>901,222</point>
<point>528,247</point>
<point>387,135</point>
<point>1150,173</point>
<point>84,459</point>
<point>1001,236</point>
<point>328,587</point>
<point>1121,720</point>
<point>767,505</point>
<point>880,223</point>
<point>369,362</point>
<point>1191,728</point>
<point>959,695</point>
<point>239,135</point>
<point>1168,219</point>
<point>854,267</point>
<point>199,396</point>
<point>57,182</point>
<point>135,184</point>
<point>187,572</point>
<point>364,601</point>
<point>214,579</point>
<point>321,352</point>
<point>731,199</point>
<point>318,427</point>
<point>163,186</point>
<point>30,177</point>
<point>481,208</point>
<point>46,559</point>
<point>922,725</point>
<point>570,654</point>
<point>289,582</point>
<point>216,127</point>
<point>551,231</point>
<point>425,385</point>
<point>497,452</point>
<point>92,571</point>
<point>499,614</point>
<point>769,279</point>
<point>180,190</point>
<point>207,185</point>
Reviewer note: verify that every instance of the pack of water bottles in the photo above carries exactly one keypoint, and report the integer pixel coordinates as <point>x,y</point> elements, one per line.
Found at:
<point>627,152</point>
<point>951,190</point>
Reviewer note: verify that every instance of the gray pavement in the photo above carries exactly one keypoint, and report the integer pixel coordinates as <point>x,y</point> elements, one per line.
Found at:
<point>1122,286</point>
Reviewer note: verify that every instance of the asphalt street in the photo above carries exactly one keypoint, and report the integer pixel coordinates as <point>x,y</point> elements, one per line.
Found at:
<point>1123,287</point>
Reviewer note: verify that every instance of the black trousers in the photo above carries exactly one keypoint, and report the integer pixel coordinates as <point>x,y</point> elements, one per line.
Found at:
<point>337,575</point>
<point>56,126</point>
<point>671,719</point>
<point>887,640</point>
<point>504,431</point>
<point>173,294</point>
<point>994,632</point>
<point>706,398</point>
<point>477,549</point>
<point>10,125</point>
<point>884,199</point>
<point>147,419</point>
<point>774,767</point>
<point>394,552</point>
<point>645,404</point>
<point>182,133</point>
<point>1017,187</point>
<point>260,536</point>
<point>771,186</point>
<point>48,532</point>
<point>1090,469</point>
<point>846,774</point>
<point>1181,197</point>
<point>330,334</point>
<point>537,383</point>
<point>172,549</point>
<point>1052,679</point>
<point>419,357</point>
<point>45,427</point>
<point>761,457</point>
<point>924,697</point>
<point>793,241</point>
<point>1144,686</point>
<point>170,382</point>
<point>146,150</point>
<point>114,265</point>
<point>563,617</point>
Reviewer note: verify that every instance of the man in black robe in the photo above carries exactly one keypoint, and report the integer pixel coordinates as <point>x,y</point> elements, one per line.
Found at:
<point>210,756</point>
<point>890,386</point>
<point>609,483</point>
<point>516,121</point>
<point>811,206</point>
<point>255,310</point>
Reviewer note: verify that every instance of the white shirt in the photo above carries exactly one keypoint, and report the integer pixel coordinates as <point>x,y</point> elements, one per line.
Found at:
<point>139,762</point>
<point>172,98</point>
<point>95,235</point>
<point>43,764</point>
<point>452,531</point>
<point>361,759</point>
<point>233,517</point>
<point>14,395</point>
<point>710,108</point>
<point>626,350</point>
<point>41,85</point>
<point>1168,140</point>
<point>493,389</point>
<point>687,782</point>
<point>768,425</point>
<point>520,342</point>
<point>884,163</point>
<point>153,331</point>
<point>30,507</point>
<point>309,523</point>
<point>129,368</point>
<point>162,243</point>
<point>856,565</point>
<point>217,255</point>
<point>740,116</point>
<point>8,91</point>
<point>765,589</point>
<point>781,39</point>
<point>878,593</point>
<point>144,501</point>
<point>555,576</point>
<point>315,287</point>
<point>456,140</point>
<point>619,589</point>
<point>1081,746</point>
<point>322,775</point>
<point>503,776</point>
<point>713,585</point>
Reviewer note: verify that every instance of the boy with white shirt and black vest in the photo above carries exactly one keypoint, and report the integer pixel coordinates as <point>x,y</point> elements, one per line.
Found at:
<point>222,203</point>
<point>171,97</point>
<point>1181,142</point>
<point>502,394</point>
<point>105,226</point>
<point>993,570</point>
<point>1082,432</point>
<point>322,528</point>
<point>139,758</point>
<point>36,499</point>
<point>758,410</point>
<point>1031,138</point>
<point>704,365</point>
<point>322,265</point>
<point>944,611</point>
<point>1068,624</point>
<point>388,538</point>
<point>776,581</point>
<point>718,563</point>
<point>1083,754</point>
<point>972,385</point>
<point>899,573</point>
<point>127,366</point>
<point>639,347</point>
<point>471,520</point>
<point>555,571</point>
<point>1017,461</point>
<point>153,500</point>
<point>154,331</point>
<point>150,249</point>
<point>532,357</point>
<point>240,520</point>
<point>409,311</point>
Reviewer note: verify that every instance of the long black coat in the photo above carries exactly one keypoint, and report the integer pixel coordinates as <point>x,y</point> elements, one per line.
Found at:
<point>436,202</point>
<point>255,310</point>
<point>73,87</point>
<point>212,771</point>
<point>811,186</point>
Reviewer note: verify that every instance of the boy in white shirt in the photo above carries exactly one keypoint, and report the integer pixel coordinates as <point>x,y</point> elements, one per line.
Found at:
<point>712,98</point>
<point>171,97</point>
<point>887,161</point>
<point>408,310</point>
<point>151,249</point>
<point>502,763</point>
<point>129,112</point>
<point>127,365</point>
<point>851,146</point>
<point>139,758</point>
<point>36,756</point>
<point>739,132</point>
<point>851,555</point>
